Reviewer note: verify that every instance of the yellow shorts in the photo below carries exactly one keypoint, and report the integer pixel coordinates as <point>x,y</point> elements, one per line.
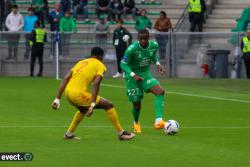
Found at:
<point>80,99</point>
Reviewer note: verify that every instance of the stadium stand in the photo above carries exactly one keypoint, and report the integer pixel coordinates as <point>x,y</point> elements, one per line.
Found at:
<point>221,19</point>
<point>224,14</point>
<point>221,16</point>
<point>173,9</point>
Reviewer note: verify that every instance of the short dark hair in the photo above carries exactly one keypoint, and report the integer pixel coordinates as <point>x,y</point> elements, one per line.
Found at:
<point>97,51</point>
<point>143,31</point>
<point>163,12</point>
<point>14,6</point>
<point>68,12</point>
<point>31,9</point>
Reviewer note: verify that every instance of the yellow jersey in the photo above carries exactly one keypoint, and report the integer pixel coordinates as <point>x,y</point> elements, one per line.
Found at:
<point>83,73</point>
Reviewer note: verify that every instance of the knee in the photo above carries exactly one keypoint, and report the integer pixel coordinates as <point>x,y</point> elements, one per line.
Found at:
<point>161,92</point>
<point>109,105</point>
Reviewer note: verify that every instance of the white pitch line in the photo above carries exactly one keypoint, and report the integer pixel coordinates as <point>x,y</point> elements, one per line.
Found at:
<point>210,97</point>
<point>188,94</point>
<point>113,86</point>
<point>145,127</point>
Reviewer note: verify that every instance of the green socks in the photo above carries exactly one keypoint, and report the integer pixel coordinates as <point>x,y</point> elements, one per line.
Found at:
<point>159,105</point>
<point>136,114</point>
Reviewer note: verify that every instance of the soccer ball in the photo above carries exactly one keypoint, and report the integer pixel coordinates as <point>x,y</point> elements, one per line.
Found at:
<point>171,127</point>
<point>125,38</point>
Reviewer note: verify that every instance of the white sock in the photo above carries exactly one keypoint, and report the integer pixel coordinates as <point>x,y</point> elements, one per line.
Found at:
<point>120,132</point>
<point>157,120</point>
<point>69,134</point>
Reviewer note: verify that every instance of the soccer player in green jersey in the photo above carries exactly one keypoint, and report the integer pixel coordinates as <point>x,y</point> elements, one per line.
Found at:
<point>136,65</point>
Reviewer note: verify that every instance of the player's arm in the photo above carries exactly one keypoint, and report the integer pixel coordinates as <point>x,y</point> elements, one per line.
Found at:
<point>125,65</point>
<point>160,68</point>
<point>56,103</point>
<point>155,60</point>
<point>95,91</point>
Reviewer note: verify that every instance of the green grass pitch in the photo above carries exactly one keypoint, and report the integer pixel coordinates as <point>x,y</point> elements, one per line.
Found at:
<point>214,116</point>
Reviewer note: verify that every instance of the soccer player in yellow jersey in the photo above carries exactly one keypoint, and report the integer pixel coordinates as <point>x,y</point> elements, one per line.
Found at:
<point>75,84</point>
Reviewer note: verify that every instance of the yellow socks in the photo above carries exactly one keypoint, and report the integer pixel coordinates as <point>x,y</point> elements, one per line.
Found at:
<point>76,120</point>
<point>112,116</point>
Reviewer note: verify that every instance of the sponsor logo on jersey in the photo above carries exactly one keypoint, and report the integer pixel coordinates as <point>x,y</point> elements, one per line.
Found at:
<point>150,80</point>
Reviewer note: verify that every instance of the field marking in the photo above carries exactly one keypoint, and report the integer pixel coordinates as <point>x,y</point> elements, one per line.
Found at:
<point>145,127</point>
<point>188,94</point>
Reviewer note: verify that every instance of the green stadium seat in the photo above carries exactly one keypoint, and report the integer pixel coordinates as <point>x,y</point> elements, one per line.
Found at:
<point>91,3</point>
<point>29,2</point>
<point>94,13</point>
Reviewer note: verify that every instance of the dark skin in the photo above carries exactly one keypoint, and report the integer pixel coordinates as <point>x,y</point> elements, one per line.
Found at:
<point>157,89</point>
<point>88,111</point>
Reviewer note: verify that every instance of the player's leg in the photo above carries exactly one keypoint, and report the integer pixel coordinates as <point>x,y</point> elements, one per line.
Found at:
<point>111,113</point>
<point>136,113</point>
<point>113,117</point>
<point>150,84</point>
<point>135,95</point>
<point>159,92</point>
<point>80,101</point>
<point>79,115</point>
<point>83,101</point>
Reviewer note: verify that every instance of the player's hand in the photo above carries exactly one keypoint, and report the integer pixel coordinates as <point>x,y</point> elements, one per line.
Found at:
<point>137,78</point>
<point>55,104</point>
<point>90,111</point>
<point>160,69</point>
